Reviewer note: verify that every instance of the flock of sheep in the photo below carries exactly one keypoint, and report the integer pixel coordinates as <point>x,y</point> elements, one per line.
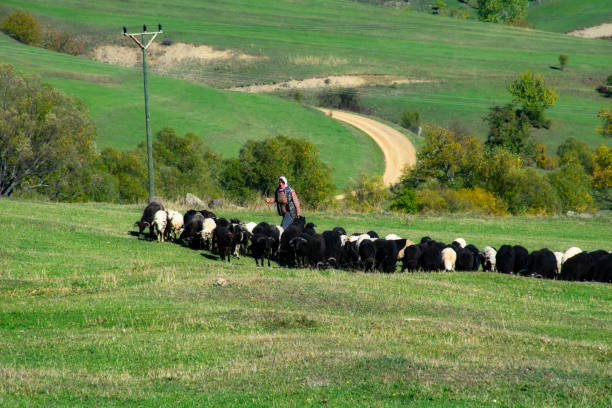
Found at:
<point>299,245</point>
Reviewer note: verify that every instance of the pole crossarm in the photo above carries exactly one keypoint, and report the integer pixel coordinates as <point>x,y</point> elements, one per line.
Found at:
<point>133,37</point>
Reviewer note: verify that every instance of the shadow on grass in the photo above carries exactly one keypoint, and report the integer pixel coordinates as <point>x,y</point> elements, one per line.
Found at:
<point>211,257</point>
<point>555,68</point>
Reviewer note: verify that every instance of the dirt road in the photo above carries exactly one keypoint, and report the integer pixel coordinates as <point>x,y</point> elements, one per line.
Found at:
<point>396,147</point>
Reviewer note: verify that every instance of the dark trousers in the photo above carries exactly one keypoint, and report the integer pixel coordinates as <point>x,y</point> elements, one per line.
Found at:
<point>287,220</point>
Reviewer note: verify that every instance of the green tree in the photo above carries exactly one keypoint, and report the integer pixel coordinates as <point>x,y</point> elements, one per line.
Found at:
<point>573,149</point>
<point>529,92</point>
<point>127,173</point>
<point>46,137</point>
<point>448,156</point>
<point>260,163</point>
<point>502,11</point>
<point>366,194</point>
<point>509,129</point>
<point>602,174</point>
<point>573,187</point>
<point>411,120</point>
<point>405,200</point>
<point>606,126</point>
<point>22,26</point>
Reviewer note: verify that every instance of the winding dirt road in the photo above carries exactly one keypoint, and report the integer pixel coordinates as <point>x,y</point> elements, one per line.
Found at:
<point>396,147</point>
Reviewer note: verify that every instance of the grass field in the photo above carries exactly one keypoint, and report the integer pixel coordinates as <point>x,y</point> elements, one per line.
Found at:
<point>568,15</point>
<point>92,316</point>
<point>468,63</point>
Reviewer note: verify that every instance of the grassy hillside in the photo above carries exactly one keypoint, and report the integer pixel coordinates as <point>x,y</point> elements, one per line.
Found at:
<point>92,316</point>
<point>224,120</point>
<point>468,63</point>
<point>568,15</point>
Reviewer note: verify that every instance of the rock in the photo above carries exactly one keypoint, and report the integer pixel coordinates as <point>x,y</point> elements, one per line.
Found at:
<point>192,201</point>
<point>577,214</point>
<point>221,282</point>
<point>215,203</point>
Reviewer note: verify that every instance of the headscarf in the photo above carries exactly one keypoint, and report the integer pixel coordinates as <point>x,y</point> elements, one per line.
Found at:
<point>284,180</point>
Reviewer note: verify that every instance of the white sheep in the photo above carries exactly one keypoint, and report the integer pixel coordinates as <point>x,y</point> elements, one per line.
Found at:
<point>461,242</point>
<point>175,225</point>
<point>208,227</point>
<point>400,253</point>
<point>160,220</point>
<point>362,238</point>
<point>449,257</point>
<point>392,237</point>
<point>569,253</point>
<point>489,254</point>
<point>280,231</point>
<point>250,226</point>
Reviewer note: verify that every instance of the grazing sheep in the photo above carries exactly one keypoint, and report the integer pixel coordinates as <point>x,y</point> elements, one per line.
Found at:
<point>175,225</point>
<point>477,258</point>
<point>488,255</point>
<point>350,255</point>
<point>316,251</point>
<point>541,264</point>
<point>339,230</point>
<point>309,229</point>
<point>363,237</point>
<point>504,259</point>
<point>412,254</point>
<point>602,271</point>
<point>261,247</point>
<point>578,268</point>
<point>431,257</point>
<point>333,247</point>
<point>402,244</point>
<point>449,257</point>
<point>461,242</point>
<point>392,237</point>
<point>250,226</point>
<point>208,214</point>
<point>520,258</point>
<point>147,217</point>
<point>367,254</point>
<point>464,260</point>
<point>372,234</point>
<point>569,253</point>
<point>160,220</point>
<point>286,253</point>
<point>223,239</point>
<point>192,230</point>
<point>386,255</point>
<point>208,228</point>
<point>299,246</point>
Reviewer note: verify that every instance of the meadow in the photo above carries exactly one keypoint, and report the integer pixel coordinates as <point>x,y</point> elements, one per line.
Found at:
<point>566,15</point>
<point>91,315</point>
<point>467,63</point>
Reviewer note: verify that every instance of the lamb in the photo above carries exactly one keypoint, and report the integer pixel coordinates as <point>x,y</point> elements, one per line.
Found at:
<point>393,237</point>
<point>261,246</point>
<point>461,242</point>
<point>223,239</point>
<point>449,257</point>
<point>160,220</point>
<point>175,225</point>
<point>147,217</point>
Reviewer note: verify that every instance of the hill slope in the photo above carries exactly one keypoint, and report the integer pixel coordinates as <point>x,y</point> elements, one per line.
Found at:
<point>92,316</point>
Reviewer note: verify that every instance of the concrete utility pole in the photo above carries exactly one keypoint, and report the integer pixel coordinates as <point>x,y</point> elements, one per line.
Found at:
<point>141,44</point>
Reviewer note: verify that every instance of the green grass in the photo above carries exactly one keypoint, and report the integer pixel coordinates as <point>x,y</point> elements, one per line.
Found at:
<point>469,62</point>
<point>568,15</point>
<point>92,316</point>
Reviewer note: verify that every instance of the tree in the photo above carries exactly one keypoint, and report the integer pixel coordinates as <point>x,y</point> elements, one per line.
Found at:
<point>450,156</point>
<point>411,120</point>
<point>602,173</point>
<point>606,127</point>
<point>530,93</point>
<point>509,129</point>
<point>502,11</point>
<point>260,163</point>
<point>573,149</point>
<point>367,194</point>
<point>22,26</point>
<point>573,187</point>
<point>45,136</point>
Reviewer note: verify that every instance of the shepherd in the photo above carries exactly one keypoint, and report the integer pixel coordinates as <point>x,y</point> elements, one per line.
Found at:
<point>287,202</point>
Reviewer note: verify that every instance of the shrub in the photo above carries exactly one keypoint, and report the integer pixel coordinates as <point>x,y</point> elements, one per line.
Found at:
<point>22,26</point>
<point>529,91</point>
<point>509,129</point>
<point>477,200</point>
<point>65,42</point>
<point>367,194</point>
<point>533,194</point>
<point>609,80</point>
<point>411,120</point>
<point>563,61</point>
<point>574,150</point>
<point>543,160</point>
<point>405,201</point>
<point>346,98</point>
<point>606,126</point>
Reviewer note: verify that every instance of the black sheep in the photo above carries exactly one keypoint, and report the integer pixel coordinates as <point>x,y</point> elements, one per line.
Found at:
<point>386,255</point>
<point>520,258</point>
<point>602,270</point>
<point>261,247</point>
<point>192,231</point>
<point>222,222</point>
<point>504,259</point>
<point>333,247</point>
<point>299,247</point>
<point>208,214</point>
<point>465,259</point>
<point>316,251</point>
<point>309,228</point>
<point>372,234</point>
<point>431,258</point>
<point>223,240</point>
<point>477,257</point>
<point>541,264</point>
<point>286,254</point>
<point>410,261</point>
<point>578,268</point>
<point>147,217</point>
<point>350,255</point>
<point>339,230</point>
<point>367,254</point>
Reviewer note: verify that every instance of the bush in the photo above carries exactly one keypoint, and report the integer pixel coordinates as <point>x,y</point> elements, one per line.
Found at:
<point>65,42</point>
<point>367,194</point>
<point>346,98</point>
<point>574,150</point>
<point>509,129</point>
<point>22,26</point>
<point>533,194</point>
<point>563,61</point>
<point>437,199</point>
<point>609,80</point>
<point>405,201</point>
<point>411,120</point>
<point>543,160</point>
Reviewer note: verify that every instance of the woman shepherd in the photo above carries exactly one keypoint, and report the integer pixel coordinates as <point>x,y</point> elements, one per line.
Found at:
<point>287,202</point>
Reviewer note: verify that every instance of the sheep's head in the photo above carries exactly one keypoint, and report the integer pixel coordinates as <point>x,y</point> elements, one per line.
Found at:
<point>141,226</point>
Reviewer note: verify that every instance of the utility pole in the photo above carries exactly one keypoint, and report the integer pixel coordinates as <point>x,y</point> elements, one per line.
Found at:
<point>141,44</point>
